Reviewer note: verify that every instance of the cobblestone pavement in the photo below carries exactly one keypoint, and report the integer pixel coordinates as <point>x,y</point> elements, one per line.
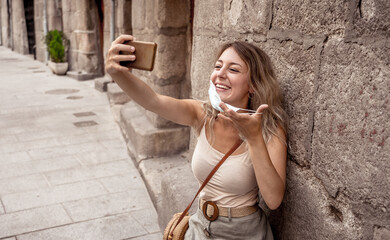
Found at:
<point>64,168</point>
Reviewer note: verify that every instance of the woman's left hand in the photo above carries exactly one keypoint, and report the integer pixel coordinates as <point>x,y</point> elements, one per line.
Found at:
<point>248,125</point>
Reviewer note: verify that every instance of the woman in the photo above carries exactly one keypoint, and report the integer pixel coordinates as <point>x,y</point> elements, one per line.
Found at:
<point>245,103</point>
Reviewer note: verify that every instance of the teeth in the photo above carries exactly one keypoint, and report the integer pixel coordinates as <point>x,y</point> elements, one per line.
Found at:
<point>222,86</point>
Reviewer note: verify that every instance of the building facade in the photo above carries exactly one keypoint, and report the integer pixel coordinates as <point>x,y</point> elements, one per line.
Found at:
<point>333,64</point>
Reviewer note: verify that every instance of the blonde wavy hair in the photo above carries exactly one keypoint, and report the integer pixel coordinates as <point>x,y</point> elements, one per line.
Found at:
<point>265,88</point>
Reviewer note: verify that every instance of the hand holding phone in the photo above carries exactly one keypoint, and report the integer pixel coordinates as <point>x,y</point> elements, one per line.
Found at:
<point>145,53</point>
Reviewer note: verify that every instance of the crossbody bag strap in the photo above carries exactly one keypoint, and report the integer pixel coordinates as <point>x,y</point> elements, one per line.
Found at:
<point>235,146</point>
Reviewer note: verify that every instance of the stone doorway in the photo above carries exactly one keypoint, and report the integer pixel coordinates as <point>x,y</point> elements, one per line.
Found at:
<point>100,33</point>
<point>29,16</point>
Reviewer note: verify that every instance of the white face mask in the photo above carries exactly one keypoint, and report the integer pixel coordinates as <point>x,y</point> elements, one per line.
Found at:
<point>215,100</point>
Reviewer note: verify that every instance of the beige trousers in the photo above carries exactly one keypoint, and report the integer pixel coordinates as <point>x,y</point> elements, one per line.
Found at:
<point>251,227</point>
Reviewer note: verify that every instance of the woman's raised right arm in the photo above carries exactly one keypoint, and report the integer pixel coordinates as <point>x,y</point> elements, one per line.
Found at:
<point>185,112</point>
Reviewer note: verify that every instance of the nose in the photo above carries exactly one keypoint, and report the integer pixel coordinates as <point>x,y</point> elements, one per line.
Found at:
<point>221,73</point>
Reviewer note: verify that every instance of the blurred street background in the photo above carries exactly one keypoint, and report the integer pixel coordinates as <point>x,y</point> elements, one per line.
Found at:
<point>64,169</point>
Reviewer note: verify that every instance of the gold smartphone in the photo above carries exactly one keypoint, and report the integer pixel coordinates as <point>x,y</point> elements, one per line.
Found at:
<point>145,53</point>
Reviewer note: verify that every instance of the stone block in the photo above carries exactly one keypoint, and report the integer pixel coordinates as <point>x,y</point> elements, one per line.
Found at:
<point>89,63</point>
<point>107,205</point>
<point>172,13</point>
<point>42,197</point>
<point>204,56</point>
<point>244,16</point>
<point>102,82</point>
<point>20,41</point>
<point>310,213</point>
<point>153,171</point>
<point>116,95</point>
<point>153,236</point>
<point>138,14</point>
<point>122,226</point>
<point>123,17</point>
<point>32,220</point>
<point>20,184</point>
<point>147,218</point>
<point>150,12</point>
<point>86,18</point>
<point>171,58</point>
<point>85,41</point>
<point>381,233</point>
<point>31,167</point>
<point>144,140</point>
<point>295,68</point>
<point>87,173</point>
<point>81,75</point>
<point>368,19</point>
<point>208,16</point>
<point>351,144</point>
<point>125,182</point>
<point>178,188</point>
<point>311,17</point>
<point>2,210</point>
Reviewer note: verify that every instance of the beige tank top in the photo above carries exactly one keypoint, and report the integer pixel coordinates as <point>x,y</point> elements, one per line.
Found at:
<point>233,185</point>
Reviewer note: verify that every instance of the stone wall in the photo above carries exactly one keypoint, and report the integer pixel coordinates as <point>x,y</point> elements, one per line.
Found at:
<point>82,29</point>
<point>122,21</point>
<point>167,24</point>
<point>332,61</point>
<point>5,30</point>
<point>19,29</point>
<point>54,21</point>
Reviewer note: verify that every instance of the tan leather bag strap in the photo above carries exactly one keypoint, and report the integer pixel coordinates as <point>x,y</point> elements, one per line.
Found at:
<point>235,146</point>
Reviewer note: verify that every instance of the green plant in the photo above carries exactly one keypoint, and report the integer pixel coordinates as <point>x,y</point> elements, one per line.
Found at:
<point>56,43</point>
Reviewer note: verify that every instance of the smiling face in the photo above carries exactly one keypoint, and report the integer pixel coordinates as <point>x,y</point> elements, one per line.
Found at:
<point>230,77</point>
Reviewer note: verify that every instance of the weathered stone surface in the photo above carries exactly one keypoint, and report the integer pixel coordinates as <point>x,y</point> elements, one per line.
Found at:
<point>170,64</point>
<point>80,75</point>
<point>150,14</point>
<point>121,226</point>
<point>295,68</point>
<point>153,171</point>
<point>309,212</point>
<point>123,17</point>
<point>38,198</point>
<point>204,55</point>
<point>138,14</point>
<point>54,18</point>
<point>5,30</point>
<point>178,188</point>
<point>19,31</point>
<point>247,16</point>
<point>208,16</point>
<point>311,17</point>
<point>116,95</point>
<point>368,19</point>
<point>33,220</point>
<point>88,63</point>
<point>351,144</point>
<point>148,141</point>
<point>85,41</point>
<point>172,13</point>
<point>107,205</point>
<point>101,83</point>
<point>381,233</point>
